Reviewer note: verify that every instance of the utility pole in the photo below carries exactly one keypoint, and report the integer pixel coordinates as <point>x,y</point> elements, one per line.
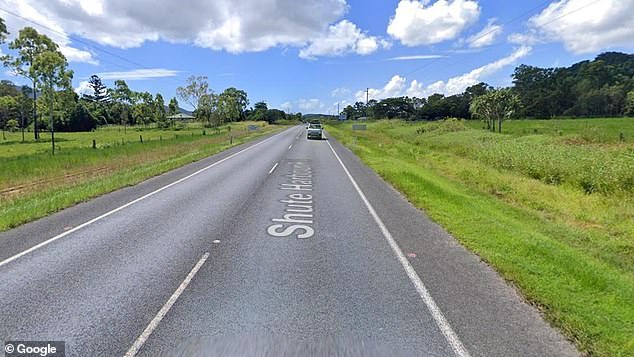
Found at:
<point>367,95</point>
<point>338,111</point>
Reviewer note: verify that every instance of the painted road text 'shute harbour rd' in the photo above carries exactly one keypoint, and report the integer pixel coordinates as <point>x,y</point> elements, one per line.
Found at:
<point>298,217</point>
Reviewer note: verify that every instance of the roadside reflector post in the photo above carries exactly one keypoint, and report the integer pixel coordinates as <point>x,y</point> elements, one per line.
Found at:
<point>141,138</point>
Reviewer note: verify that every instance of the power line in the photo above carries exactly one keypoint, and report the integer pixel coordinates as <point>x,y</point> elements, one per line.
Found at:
<point>523,14</point>
<point>79,40</point>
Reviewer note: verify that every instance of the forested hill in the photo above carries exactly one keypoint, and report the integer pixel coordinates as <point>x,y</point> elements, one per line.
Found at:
<point>589,88</point>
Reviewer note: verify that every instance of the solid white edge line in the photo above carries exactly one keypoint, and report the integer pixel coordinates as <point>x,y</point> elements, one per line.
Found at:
<point>62,235</point>
<point>442,323</point>
<point>134,349</point>
<point>273,168</point>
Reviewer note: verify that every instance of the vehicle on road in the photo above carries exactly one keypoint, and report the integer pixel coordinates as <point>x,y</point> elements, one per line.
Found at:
<point>315,131</point>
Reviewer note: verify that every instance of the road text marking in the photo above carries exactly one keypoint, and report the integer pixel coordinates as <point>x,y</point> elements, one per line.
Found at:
<point>439,318</point>
<point>165,309</point>
<point>298,211</point>
<point>62,235</point>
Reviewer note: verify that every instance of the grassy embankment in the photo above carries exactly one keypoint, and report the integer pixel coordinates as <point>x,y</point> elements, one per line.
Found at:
<point>34,183</point>
<point>552,210</point>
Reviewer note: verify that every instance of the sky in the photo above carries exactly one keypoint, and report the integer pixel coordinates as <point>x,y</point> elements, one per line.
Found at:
<point>308,56</point>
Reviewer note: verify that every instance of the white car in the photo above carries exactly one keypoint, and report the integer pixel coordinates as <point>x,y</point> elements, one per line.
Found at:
<point>315,131</point>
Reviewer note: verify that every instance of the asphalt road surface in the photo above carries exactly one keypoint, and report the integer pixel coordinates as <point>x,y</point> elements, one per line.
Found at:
<point>282,246</point>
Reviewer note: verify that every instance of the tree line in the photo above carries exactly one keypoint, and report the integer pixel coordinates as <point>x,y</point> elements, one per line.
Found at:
<point>601,87</point>
<point>38,59</point>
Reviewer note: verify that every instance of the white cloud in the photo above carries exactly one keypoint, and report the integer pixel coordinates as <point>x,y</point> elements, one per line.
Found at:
<point>458,84</point>
<point>139,74</point>
<point>339,92</point>
<point>393,88</point>
<point>309,105</point>
<point>75,55</point>
<point>397,85</point>
<point>486,36</point>
<point>84,88</point>
<point>312,106</point>
<point>527,39</point>
<point>416,24</point>
<point>234,26</point>
<point>31,10</point>
<point>415,57</point>
<point>587,26</point>
<point>342,38</point>
<point>286,106</point>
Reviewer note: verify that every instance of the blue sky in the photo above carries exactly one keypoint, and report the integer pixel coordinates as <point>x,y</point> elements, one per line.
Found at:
<point>308,56</point>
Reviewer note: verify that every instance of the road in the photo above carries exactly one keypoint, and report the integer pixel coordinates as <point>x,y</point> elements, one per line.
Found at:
<point>282,246</point>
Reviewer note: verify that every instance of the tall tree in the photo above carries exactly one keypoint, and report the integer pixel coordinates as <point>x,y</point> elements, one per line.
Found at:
<point>208,110</point>
<point>51,71</point>
<point>99,100</point>
<point>173,107</point>
<point>159,110</point>
<point>232,103</point>
<point>99,90</point>
<point>3,31</point>
<point>29,45</point>
<point>196,88</point>
<point>496,105</point>
<point>7,111</point>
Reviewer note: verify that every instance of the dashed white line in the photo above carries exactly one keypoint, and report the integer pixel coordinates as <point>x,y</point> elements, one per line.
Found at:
<point>64,234</point>
<point>273,168</point>
<point>134,349</point>
<point>290,146</point>
<point>442,323</point>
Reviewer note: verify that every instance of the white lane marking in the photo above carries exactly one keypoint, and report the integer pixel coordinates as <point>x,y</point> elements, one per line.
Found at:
<point>290,146</point>
<point>439,318</point>
<point>273,168</point>
<point>62,235</point>
<point>134,349</point>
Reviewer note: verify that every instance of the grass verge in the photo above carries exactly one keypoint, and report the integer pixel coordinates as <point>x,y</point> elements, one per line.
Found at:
<point>117,167</point>
<point>569,252</point>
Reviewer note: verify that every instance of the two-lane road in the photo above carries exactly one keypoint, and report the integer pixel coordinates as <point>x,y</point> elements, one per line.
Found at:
<point>282,245</point>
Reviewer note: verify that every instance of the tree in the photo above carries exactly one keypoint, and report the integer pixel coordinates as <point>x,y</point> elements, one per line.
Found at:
<point>12,124</point>
<point>3,31</point>
<point>232,103</point>
<point>207,110</point>
<point>629,104</point>
<point>159,111</point>
<point>144,108</point>
<point>196,88</point>
<point>99,90</point>
<point>7,111</point>
<point>24,105</point>
<point>258,112</point>
<point>29,45</point>
<point>79,119</point>
<point>173,107</point>
<point>50,69</point>
<point>496,105</point>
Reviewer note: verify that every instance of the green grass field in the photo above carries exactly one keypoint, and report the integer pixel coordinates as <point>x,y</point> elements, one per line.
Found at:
<point>34,183</point>
<point>552,211</point>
